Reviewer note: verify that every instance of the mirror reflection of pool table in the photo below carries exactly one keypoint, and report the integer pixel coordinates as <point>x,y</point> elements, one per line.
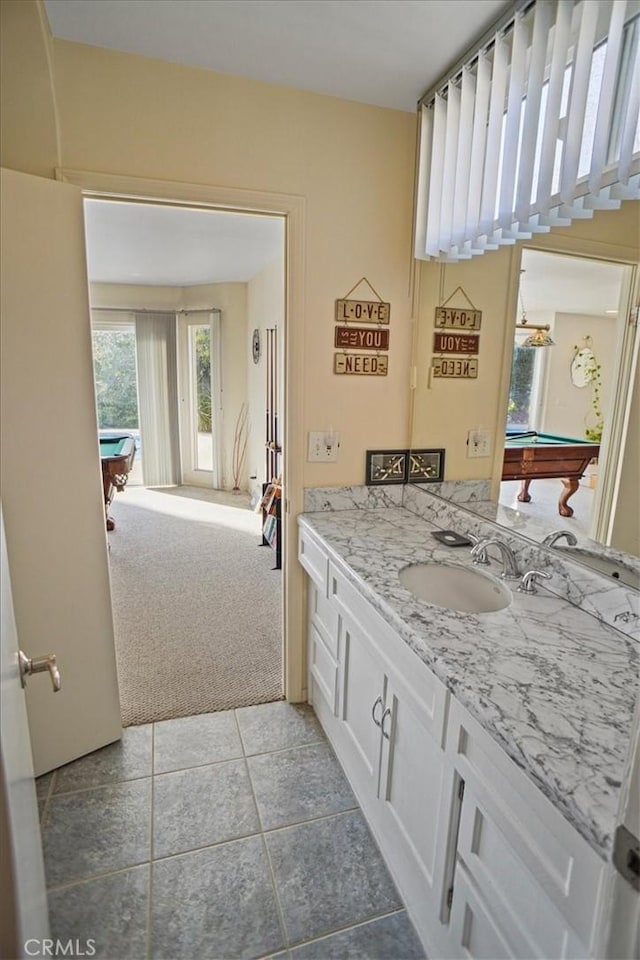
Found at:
<point>117,452</point>
<point>530,455</point>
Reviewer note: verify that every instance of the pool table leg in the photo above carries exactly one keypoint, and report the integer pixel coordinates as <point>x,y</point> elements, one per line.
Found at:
<point>524,496</point>
<point>570,487</point>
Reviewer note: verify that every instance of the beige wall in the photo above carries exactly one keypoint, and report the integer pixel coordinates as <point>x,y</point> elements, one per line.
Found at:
<point>231,300</point>
<point>626,527</point>
<point>352,163</point>
<point>567,409</point>
<point>265,308</point>
<point>28,123</point>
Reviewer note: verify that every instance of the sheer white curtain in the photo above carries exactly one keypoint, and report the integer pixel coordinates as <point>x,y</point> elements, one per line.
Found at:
<point>158,398</point>
<point>538,128</point>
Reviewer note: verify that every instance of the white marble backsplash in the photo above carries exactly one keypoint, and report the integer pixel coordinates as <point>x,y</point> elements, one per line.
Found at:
<point>389,495</point>
<point>555,687</point>
<point>601,596</point>
<point>329,499</point>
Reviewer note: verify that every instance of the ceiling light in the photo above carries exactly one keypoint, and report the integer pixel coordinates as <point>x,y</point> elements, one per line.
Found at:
<point>539,336</point>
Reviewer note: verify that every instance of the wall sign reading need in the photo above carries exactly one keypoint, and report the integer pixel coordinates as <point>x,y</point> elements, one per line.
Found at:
<point>457,369</point>
<point>367,311</point>
<point>459,319</point>
<point>456,343</point>
<point>360,364</point>
<point>362,338</point>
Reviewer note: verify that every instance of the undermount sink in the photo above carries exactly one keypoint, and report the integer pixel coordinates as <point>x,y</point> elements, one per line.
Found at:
<point>456,588</point>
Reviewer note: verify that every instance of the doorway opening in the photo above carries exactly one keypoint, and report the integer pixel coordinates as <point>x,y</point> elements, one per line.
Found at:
<point>568,360</point>
<point>177,295</point>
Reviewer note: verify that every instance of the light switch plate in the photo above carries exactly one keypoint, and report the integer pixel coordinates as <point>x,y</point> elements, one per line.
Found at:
<point>478,443</point>
<point>323,446</point>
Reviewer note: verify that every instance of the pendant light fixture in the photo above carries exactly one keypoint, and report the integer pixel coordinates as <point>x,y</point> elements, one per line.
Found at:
<point>539,332</point>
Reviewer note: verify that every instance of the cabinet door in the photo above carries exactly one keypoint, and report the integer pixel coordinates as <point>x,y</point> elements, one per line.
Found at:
<point>362,706</point>
<point>414,795</point>
<point>474,933</point>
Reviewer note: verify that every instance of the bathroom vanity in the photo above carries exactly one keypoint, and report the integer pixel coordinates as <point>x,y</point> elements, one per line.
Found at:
<point>489,751</point>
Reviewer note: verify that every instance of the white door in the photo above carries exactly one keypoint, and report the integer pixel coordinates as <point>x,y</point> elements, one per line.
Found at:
<point>50,469</point>
<point>200,398</point>
<point>22,871</point>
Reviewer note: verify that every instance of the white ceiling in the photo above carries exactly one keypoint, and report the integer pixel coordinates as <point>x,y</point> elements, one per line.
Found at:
<point>172,246</point>
<point>557,284</point>
<point>384,52</point>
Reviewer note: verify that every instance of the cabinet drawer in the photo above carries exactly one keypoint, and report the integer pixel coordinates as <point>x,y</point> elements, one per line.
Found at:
<point>528,917</point>
<point>473,931</point>
<point>323,668</point>
<point>543,845</point>
<point>421,684</point>
<point>314,559</point>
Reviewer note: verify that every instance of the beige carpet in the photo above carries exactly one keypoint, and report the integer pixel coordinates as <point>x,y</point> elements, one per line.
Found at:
<point>197,605</point>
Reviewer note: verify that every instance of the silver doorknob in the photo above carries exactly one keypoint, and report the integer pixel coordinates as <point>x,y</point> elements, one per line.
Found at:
<point>39,665</point>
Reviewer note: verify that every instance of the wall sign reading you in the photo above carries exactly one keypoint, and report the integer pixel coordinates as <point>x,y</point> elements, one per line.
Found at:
<point>362,338</point>
<point>456,342</point>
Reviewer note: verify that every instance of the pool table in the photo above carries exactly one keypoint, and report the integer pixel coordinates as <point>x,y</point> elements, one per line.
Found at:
<point>530,455</point>
<point>117,452</point>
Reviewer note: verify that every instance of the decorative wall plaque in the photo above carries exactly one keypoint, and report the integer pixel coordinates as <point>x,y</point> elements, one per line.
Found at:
<point>387,466</point>
<point>366,311</point>
<point>360,364</point>
<point>426,466</point>
<point>454,369</point>
<point>458,318</point>
<point>456,343</point>
<point>362,338</point>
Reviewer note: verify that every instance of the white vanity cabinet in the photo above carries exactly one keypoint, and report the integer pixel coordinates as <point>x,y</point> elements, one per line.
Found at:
<point>527,877</point>
<point>383,711</point>
<point>485,864</point>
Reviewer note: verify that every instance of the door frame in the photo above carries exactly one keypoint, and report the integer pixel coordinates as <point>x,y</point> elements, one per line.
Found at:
<point>191,473</point>
<point>292,208</point>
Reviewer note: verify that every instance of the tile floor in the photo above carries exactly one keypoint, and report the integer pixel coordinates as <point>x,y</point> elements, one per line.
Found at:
<point>223,836</point>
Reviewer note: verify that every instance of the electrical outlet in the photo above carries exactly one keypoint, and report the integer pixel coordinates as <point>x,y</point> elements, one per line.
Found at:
<point>478,443</point>
<point>323,446</point>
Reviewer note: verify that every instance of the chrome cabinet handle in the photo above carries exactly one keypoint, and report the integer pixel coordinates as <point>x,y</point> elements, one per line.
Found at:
<point>39,665</point>
<point>373,712</point>
<point>386,714</point>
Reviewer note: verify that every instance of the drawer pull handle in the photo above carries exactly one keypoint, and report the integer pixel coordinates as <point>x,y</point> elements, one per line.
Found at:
<point>386,714</point>
<point>378,703</point>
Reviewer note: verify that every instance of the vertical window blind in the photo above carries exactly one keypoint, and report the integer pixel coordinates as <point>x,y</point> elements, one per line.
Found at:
<point>538,128</point>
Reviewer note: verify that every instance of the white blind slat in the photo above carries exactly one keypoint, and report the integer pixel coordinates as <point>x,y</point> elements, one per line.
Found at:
<point>578,98</point>
<point>607,94</point>
<point>494,136</point>
<point>513,123</point>
<point>435,184</point>
<point>449,171</point>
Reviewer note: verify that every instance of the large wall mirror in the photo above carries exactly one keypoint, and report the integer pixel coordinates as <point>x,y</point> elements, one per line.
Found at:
<point>561,372</point>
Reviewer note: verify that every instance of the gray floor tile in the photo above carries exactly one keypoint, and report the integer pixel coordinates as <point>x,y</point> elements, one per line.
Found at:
<point>191,741</point>
<point>203,805</point>
<point>299,784</point>
<point>97,831</point>
<point>110,912</point>
<point>329,874</point>
<point>389,938</point>
<point>217,902</point>
<point>277,726</point>
<point>126,759</point>
<point>43,784</point>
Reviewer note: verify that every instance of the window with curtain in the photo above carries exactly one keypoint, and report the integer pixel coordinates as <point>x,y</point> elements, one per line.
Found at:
<point>538,128</point>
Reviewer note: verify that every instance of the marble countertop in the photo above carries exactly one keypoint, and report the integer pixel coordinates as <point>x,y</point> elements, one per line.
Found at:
<point>554,686</point>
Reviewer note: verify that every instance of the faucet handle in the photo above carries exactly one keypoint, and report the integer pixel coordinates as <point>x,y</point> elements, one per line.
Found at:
<point>479,551</point>
<point>528,582</point>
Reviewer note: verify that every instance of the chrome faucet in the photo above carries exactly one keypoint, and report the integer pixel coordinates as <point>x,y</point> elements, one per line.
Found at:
<point>552,538</point>
<point>509,563</point>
